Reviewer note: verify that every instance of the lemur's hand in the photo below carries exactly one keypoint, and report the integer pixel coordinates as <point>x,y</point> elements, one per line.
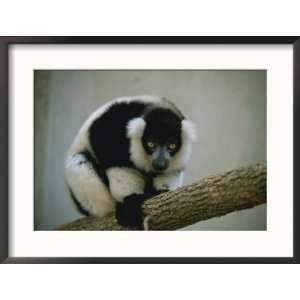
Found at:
<point>130,213</point>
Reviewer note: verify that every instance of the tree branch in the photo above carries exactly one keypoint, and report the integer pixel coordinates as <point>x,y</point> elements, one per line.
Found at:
<point>210,197</point>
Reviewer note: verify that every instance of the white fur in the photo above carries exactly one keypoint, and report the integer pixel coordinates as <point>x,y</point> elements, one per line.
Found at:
<point>135,128</point>
<point>170,181</point>
<point>91,193</point>
<point>182,157</point>
<point>188,130</point>
<point>124,182</point>
<point>146,223</point>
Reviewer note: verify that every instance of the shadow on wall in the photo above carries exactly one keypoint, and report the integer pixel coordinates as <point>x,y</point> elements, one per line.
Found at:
<point>228,107</point>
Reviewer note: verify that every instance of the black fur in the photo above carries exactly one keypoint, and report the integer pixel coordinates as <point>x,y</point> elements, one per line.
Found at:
<point>163,127</point>
<point>108,134</point>
<point>130,213</point>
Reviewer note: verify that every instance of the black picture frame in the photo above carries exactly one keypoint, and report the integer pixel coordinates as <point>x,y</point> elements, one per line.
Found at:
<point>6,42</point>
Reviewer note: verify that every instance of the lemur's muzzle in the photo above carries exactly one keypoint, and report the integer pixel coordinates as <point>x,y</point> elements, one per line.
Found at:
<point>160,159</point>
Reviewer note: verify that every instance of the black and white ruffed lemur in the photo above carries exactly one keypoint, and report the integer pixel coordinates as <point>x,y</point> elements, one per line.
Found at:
<point>128,150</point>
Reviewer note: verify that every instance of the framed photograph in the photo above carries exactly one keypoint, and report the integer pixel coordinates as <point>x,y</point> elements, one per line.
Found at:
<point>149,149</point>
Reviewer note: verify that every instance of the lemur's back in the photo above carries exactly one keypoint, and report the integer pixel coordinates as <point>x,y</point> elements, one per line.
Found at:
<point>107,134</point>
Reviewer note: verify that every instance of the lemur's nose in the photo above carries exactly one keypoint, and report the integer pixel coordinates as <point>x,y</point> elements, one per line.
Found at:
<point>161,158</point>
<point>160,164</point>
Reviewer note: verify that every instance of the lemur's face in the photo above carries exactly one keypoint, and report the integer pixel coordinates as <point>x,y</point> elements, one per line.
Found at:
<point>161,151</point>
<point>162,138</point>
<point>160,141</point>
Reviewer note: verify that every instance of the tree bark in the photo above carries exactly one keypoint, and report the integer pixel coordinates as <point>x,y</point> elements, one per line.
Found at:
<point>210,197</point>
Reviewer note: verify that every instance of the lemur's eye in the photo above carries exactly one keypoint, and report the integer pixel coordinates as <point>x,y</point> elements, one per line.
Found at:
<point>151,145</point>
<point>172,147</point>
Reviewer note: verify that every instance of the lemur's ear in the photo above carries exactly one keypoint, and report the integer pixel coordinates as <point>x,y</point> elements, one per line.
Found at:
<point>189,130</point>
<point>135,128</point>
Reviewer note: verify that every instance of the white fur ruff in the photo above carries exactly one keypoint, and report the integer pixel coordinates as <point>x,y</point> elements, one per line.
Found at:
<point>135,128</point>
<point>88,189</point>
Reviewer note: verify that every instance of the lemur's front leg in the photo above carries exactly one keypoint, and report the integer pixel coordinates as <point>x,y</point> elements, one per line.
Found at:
<point>130,189</point>
<point>127,187</point>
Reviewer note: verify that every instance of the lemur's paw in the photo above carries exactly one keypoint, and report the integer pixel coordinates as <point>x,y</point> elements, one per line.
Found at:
<point>130,213</point>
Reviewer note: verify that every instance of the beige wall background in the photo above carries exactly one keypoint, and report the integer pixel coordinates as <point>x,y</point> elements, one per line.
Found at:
<point>228,107</point>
